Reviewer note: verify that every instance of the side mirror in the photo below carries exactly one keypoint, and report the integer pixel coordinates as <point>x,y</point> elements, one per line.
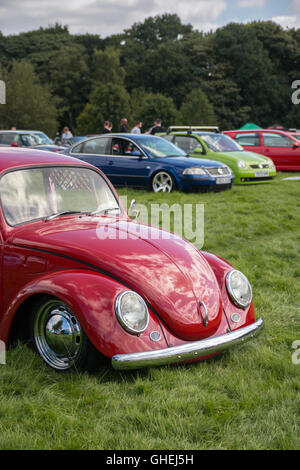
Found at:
<point>199,150</point>
<point>296,146</point>
<point>133,210</point>
<point>14,144</point>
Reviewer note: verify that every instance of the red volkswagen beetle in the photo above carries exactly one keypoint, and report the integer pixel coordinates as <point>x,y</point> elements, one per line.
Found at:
<point>79,277</point>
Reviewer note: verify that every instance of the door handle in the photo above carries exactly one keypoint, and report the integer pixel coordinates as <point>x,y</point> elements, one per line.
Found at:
<point>110,162</point>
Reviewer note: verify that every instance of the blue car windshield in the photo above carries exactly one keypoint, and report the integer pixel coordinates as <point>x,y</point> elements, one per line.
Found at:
<point>221,143</point>
<point>158,147</point>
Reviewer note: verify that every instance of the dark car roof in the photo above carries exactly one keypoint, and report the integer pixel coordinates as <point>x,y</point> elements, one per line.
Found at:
<point>11,157</point>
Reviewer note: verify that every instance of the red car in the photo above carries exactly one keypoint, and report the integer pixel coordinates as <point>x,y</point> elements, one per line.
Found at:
<point>79,277</point>
<point>281,146</point>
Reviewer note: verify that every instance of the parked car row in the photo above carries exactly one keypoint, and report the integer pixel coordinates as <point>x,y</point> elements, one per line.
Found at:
<point>247,167</point>
<point>183,158</point>
<point>148,161</point>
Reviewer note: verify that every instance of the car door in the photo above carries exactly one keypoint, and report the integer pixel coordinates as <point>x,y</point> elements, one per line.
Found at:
<point>282,150</point>
<point>188,144</point>
<point>250,141</point>
<point>94,151</point>
<point>127,164</point>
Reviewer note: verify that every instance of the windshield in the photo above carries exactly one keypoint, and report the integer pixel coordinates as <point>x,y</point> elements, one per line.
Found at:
<point>38,193</point>
<point>36,138</point>
<point>158,147</point>
<point>296,136</point>
<point>221,143</point>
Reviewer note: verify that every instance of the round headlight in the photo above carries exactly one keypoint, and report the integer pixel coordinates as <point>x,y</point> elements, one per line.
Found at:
<point>132,312</point>
<point>241,164</point>
<point>239,288</point>
<point>194,171</point>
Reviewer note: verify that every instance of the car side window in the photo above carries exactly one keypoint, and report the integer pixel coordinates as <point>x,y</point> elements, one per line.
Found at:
<point>187,143</point>
<point>248,138</point>
<point>9,138</point>
<point>97,146</point>
<point>125,148</point>
<point>276,140</point>
<point>168,137</point>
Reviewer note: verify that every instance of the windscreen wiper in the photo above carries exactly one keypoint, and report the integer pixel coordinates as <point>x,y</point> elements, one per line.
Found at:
<point>58,214</point>
<point>104,211</point>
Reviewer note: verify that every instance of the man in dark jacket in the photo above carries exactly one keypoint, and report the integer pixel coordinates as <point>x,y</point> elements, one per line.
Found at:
<point>157,127</point>
<point>123,125</point>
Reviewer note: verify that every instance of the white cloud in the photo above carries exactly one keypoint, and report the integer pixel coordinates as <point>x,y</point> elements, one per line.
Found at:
<point>251,3</point>
<point>287,21</point>
<point>104,17</point>
<point>290,21</point>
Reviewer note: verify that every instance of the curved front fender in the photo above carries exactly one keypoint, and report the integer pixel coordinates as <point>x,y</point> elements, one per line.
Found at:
<point>221,268</point>
<point>91,297</point>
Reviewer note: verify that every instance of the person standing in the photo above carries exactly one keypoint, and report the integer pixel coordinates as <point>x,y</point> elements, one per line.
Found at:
<point>157,127</point>
<point>124,125</point>
<point>107,127</point>
<point>66,135</point>
<point>137,128</point>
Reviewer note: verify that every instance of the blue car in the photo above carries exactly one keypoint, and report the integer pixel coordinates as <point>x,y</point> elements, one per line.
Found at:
<point>146,161</point>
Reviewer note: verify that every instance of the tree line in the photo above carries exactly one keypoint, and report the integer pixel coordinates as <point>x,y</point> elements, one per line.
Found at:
<point>158,68</point>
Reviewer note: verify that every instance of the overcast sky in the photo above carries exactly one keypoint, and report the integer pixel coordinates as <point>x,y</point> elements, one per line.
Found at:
<point>106,17</point>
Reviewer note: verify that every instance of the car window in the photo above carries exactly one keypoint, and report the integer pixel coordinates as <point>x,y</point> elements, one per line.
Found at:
<point>29,139</point>
<point>248,138</point>
<point>221,143</point>
<point>157,147</point>
<point>35,193</point>
<point>9,137</point>
<point>94,146</point>
<point>168,137</point>
<point>276,140</point>
<point>187,143</point>
<point>124,147</point>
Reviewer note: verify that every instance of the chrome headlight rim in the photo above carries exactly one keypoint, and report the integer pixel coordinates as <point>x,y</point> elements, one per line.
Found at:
<point>120,317</point>
<point>241,164</point>
<point>195,171</point>
<point>230,291</point>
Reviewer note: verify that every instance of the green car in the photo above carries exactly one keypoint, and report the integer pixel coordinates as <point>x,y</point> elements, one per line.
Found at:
<point>247,167</point>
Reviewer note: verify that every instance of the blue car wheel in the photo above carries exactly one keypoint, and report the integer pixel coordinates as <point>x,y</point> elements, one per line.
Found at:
<point>163,182</point>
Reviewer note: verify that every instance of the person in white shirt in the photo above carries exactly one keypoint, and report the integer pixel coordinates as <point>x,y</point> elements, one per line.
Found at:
<point>66,135</point>
<point>137,128</point>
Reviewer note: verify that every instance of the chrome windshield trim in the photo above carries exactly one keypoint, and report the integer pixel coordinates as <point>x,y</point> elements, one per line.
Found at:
<point>188,351</point>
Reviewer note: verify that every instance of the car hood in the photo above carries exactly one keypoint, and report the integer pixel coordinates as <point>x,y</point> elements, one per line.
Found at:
<point>168,272</point>
<point>248,157</point>
<point>186,162</point>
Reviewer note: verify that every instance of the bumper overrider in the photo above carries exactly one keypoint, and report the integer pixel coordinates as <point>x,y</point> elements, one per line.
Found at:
<point>186,352</point>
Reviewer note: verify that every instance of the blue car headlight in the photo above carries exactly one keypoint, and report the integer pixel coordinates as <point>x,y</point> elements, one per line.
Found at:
<point>194,171</point>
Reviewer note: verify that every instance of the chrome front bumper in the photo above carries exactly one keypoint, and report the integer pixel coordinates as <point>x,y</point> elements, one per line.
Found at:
<point>185,352</point>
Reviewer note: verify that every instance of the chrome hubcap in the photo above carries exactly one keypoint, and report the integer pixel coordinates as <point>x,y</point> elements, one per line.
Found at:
<point>162,182</point>
<point>58,334</point>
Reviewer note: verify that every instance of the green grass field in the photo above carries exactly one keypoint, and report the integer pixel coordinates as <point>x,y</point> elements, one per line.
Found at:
<point>248,398</point>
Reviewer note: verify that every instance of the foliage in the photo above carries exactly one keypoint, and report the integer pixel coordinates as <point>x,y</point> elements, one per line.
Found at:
<point>29,105</point>
<point>107,102</point>
<point>196,110</point>
<point>156,105</point>
<point>245,70</point>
